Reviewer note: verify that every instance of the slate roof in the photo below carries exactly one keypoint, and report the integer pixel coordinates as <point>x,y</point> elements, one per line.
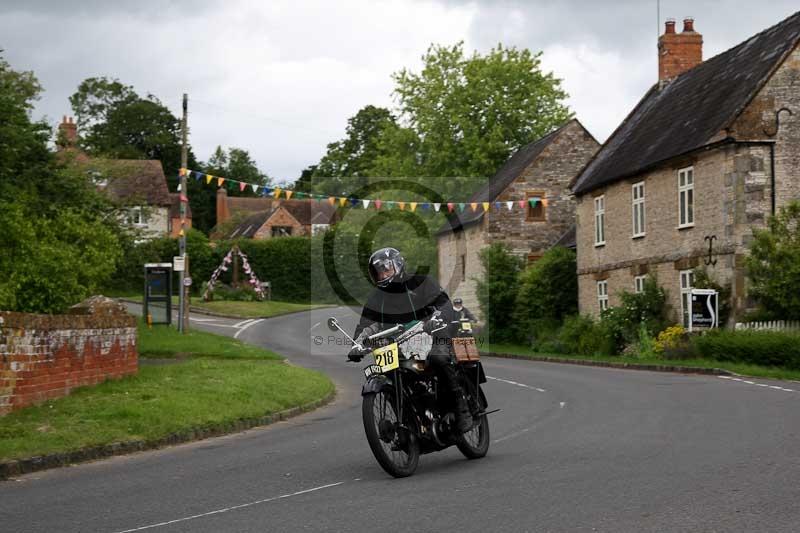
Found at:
<point>690,111</point>
<point>132,181</point>
<point>569,238</point>
<point>510,171</point>
<point>249,226</point>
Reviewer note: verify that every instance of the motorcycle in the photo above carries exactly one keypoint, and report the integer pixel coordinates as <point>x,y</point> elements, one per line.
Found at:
<point>404,414</point>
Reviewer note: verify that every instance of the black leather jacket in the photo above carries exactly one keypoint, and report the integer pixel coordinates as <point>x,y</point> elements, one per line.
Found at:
<point>414,298</point>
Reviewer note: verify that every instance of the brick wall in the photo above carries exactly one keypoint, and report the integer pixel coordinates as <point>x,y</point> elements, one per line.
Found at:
<point>281,217</point>
<point>46,356</point>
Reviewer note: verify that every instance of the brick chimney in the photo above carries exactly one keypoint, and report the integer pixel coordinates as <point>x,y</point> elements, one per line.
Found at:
<point>67,134</point>
<point>223,213</point>
<point>678,52</point>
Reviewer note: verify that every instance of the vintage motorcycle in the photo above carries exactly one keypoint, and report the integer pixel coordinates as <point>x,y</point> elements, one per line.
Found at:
<point>403,413</point>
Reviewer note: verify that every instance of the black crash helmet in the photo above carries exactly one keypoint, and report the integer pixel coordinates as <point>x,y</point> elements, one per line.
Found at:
<point>385,266</point>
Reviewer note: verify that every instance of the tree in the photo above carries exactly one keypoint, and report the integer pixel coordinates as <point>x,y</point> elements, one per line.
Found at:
<point>355,155</point>
<point>548,291</point>
<point>464,116</point>
<point>773,265</point>
<point>58,239</point>
<point>497,291</point>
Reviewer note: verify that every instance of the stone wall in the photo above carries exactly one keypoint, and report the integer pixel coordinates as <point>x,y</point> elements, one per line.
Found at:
<point>733,195</point>
<point>550,174</point>
<point>453,248</point>
<point>281,217</point>
<point>43,357</point>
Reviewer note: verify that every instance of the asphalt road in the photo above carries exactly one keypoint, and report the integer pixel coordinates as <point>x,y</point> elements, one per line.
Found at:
<point>574,449</point>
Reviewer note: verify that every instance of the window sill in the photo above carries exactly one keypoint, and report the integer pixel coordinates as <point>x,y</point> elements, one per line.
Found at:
<point>639,236</point>
<point>599,244</point>
<point>685,226</point>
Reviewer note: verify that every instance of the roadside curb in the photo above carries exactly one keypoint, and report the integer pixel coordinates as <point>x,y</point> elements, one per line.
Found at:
<point>19,467</point>
<point>675,369</point>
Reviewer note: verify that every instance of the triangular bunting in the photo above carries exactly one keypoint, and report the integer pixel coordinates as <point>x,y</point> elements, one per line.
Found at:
<point>220,181</point>
<point>276,192</point>
<point>413,206</point>
<point>242,185</point>
<point>331,200</point>
<point>544,202</point>
<point>209,177</point>
<point>436,206</point>
<point>533,201</point>
<point>365,203</point>
<point>288,194</point>
<point>342,201</point>
<point>378,204</point>
<point>485,206</point>
<point>179,187</point>
<point>521,204</point>
<point>474,206</point>
<point>462,206</point>
<point>255,188</point>
<point>510,205</point>
<point>450,207</point>
<point>402,205</point>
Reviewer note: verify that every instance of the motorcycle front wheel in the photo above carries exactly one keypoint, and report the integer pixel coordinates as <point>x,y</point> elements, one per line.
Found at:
<point>395,448</point>
<point>474,444</point>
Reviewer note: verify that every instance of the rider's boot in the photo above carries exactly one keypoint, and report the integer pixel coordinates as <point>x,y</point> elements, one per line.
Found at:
<point>462,414</point>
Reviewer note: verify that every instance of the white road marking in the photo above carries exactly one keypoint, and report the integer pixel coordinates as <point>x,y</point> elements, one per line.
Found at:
<point>512,435</point>
<point>247,326</point>
<point>775,387</point>
<point>314,326</point>
<point>516,384</point>
<point>233,508</point>
<point>203,319</point>
<point>242,323</point>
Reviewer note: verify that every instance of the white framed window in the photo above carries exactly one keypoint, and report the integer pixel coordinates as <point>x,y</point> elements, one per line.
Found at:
<point>687,280</point>
<point>638,283</point>
<point>637,199</point>
<point>599,220</point>
<point>316,229</point>
<point>137,216</point>
<point>686,197</point>
<point>602,295</point>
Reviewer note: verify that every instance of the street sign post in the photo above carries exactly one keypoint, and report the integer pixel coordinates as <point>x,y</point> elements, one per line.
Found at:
<point>704,312</point>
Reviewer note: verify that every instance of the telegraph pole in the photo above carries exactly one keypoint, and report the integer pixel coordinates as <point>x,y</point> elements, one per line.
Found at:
<point>183,311</point>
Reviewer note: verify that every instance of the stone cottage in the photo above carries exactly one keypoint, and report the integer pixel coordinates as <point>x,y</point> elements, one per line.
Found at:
<point>542,171</point>
<point>711,151</point>
<point>266,217</point>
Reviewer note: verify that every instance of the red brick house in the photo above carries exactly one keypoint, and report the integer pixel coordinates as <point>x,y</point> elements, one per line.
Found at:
<point>266,217</point>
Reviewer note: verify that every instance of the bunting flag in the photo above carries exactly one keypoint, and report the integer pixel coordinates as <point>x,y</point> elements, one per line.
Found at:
<point>280,192</point>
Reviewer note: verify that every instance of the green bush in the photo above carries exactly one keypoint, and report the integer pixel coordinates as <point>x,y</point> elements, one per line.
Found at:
<point>497,291</point>
<point>548,291</point>
<point>582,335</point>
<point>648,308</point>
<point>773,264</point>
<point>766,348</point>
<point>239,294</point>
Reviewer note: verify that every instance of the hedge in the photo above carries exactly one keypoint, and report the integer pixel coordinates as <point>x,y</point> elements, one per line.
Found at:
<point>766,348</point>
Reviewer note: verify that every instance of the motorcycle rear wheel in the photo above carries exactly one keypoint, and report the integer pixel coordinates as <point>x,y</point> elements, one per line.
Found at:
<point>396,452</point>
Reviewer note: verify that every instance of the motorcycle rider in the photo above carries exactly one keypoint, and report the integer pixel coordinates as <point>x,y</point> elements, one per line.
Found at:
<point>462,312</point>
<point>399,298</point>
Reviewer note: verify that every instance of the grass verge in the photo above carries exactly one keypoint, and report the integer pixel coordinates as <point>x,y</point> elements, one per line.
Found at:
<point>266,309</point>
<point>738,368</point>
<point>199,393</point>
<point>167,342</point>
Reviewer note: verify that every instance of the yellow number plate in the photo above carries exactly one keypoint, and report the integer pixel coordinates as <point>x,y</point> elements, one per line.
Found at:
<point>387,357</point>
<point>466,326</point>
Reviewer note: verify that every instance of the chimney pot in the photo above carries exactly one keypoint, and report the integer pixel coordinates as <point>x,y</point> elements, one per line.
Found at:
<point>678,53</point>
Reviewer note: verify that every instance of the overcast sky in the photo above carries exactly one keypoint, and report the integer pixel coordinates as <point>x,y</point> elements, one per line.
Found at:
<point>280,78</point>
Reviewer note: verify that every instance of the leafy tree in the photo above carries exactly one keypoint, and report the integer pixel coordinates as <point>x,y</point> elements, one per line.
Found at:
<point>465,115</point>
<point>548,291</point>
<point>96,98</point>
<point>355,155</point>
<point>58,240</point>
<point>773,265</point>
<point>497,291</point>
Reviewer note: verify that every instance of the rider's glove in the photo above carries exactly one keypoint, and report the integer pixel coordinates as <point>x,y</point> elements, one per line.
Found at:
<point>434,323</point>
<point>356,354</point>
